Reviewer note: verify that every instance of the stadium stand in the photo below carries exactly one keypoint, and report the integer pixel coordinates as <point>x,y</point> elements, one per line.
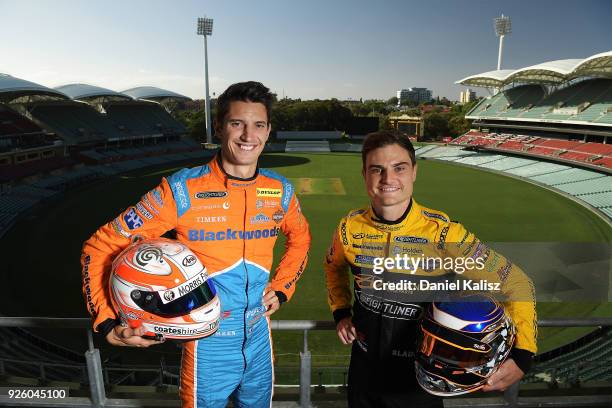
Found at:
<point>594,188</point>
<point>142,119</point>
<point>308,135</point>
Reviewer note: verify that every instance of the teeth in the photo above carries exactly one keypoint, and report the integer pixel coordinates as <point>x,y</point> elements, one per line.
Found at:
<point>246,148</point>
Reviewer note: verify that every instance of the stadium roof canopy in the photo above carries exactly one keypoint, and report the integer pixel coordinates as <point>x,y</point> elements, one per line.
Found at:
<point>11,87</point>
<point>487,79</point>
<point>597,65</point>
<point>550,73</point>
<point>84,91</point>
<point>153,93</point>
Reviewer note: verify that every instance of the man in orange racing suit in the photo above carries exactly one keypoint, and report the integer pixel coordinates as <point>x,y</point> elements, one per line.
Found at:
<point>229,213</point>
<point>381,322</point>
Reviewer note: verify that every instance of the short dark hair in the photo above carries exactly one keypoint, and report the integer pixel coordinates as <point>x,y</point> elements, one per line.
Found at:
<point>384,138</point>
<point>249,91</point>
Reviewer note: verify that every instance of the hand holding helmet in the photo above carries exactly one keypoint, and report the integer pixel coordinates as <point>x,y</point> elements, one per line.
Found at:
<point>160,289</point>
<point>462,344</point>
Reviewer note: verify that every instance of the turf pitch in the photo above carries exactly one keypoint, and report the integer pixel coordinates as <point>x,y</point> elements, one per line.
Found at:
<point>45,246</point>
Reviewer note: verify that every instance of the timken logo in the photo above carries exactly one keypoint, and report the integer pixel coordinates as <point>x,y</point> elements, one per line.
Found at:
<point>269,192</point>
<point>211,194</point>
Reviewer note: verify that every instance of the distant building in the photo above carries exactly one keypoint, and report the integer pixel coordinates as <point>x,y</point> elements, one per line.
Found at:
<point>467,96</point>
<point>417,95</point>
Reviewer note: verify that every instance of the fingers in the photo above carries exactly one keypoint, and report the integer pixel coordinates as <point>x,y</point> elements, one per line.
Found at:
<point>508,374</point>
<point>126,336</point>
<point>346,331</point>
<point>270,302</point>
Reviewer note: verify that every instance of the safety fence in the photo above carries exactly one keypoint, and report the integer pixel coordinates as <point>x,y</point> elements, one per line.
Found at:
<point>97,376</point>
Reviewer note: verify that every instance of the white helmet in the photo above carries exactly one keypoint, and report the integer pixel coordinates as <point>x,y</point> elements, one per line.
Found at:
<point>161,285</point>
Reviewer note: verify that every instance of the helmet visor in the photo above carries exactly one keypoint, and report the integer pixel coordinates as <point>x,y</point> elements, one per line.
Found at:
<point>452,348</point>
<point>178,306</point>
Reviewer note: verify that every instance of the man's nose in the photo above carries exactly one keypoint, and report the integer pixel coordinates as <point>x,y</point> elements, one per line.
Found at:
<point>385,176</point>
<point>248,132</point>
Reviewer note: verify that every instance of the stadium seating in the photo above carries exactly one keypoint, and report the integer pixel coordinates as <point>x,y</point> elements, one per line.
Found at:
<point>141,119</point>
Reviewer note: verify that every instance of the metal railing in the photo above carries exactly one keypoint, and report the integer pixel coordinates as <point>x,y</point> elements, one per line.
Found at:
<point>96,374</point>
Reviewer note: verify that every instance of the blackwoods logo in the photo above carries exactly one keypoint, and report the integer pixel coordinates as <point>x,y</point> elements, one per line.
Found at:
<point>230,234</point>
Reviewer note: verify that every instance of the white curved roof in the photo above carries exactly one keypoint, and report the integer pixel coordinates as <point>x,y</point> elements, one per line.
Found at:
<point>551,72</point>
<point>84,91</point>
<point>491,78</point>
<point>596,65</point>
<point>546,72</point>
<point>152,92</point>
<point>10,84</point>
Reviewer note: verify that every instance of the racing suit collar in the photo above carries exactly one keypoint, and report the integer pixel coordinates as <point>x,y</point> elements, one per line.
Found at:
<point>377,218</point>
<point>410,217</point>
<point>216,167</point>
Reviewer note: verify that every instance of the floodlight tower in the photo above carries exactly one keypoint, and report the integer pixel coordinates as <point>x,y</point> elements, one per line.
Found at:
<point>503,26</point>
<point>205,27</point>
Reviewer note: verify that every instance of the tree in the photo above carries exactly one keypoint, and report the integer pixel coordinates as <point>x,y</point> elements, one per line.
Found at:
<point>435,125</point>
<point>392,101</point>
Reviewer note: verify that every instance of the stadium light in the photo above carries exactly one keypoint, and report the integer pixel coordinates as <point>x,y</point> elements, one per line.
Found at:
<point>205,27</point>
<point>503,26</point>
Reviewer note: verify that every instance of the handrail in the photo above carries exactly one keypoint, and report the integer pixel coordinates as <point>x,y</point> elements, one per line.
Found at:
<point>95,371</point>
<point>85,323</point>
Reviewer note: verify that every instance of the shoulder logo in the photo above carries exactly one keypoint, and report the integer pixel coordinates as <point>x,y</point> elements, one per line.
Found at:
<point>356,212</point>
<point>434,215</point>
<point>132,219</point>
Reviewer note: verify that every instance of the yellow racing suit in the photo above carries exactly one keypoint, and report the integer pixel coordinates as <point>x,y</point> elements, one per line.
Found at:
<point>386,318</point>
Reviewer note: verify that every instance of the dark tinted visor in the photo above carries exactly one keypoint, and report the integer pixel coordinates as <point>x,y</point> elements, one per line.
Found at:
<point>451,347</point>
<point>152,302</point>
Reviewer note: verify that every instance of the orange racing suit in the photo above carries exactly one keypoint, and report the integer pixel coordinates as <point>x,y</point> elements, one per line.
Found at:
<point>231,224</point>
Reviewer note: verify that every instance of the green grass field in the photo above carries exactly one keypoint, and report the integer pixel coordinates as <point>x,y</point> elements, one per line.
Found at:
<point>46,245</point>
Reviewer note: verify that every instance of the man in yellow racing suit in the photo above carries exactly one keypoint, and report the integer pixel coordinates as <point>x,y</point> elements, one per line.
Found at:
<point>388,248</point>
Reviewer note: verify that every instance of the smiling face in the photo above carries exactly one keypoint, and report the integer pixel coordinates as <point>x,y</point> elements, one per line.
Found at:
<point>389,176</point>
<point>243,133</point>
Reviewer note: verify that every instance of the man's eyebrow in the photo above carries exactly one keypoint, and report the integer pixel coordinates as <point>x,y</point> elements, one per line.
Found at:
<point>400,163</point>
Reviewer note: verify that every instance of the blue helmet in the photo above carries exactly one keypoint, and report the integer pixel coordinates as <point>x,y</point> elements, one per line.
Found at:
<point>461,342</point>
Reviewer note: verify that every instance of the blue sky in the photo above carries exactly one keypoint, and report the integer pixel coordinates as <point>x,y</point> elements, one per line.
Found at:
<point>302,49</point>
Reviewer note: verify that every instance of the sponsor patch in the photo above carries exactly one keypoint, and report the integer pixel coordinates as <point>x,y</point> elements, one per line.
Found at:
<point>278,216</point>
<point>143,211</point>
<point>157,197</point>
<point>343,233</point>
<point>168,295</point>
<point>260,219</point>
<point>410,239</point>
<point>356,212</point>
<point>359,235</point>
<point>364,259</point>
<point>434,215</point>
<point>230,234</point>
<point>443,237</point>
<point>119,229</point>
<point>181,195</point>
<point>211,219</point>
<point>504,271</point>
<point>132,220</point>
<point>211,194</point>
<point>269,192</point>
<point>148,205</point>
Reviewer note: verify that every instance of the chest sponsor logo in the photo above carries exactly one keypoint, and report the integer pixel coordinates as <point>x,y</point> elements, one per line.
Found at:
<point>230,234</point>
<point>364,259</point>
<point>388,308</point>
<point>211,194</point>
<point>260,219</point>
<point>259,204</point>
<point>369,247</point>
<point>410,239</point>
<point>269,192</point>
<point>211,219</point>
<point>278,216</point>
<point>132,219</point>
<point>224,206</point>
<point>359,235</point>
